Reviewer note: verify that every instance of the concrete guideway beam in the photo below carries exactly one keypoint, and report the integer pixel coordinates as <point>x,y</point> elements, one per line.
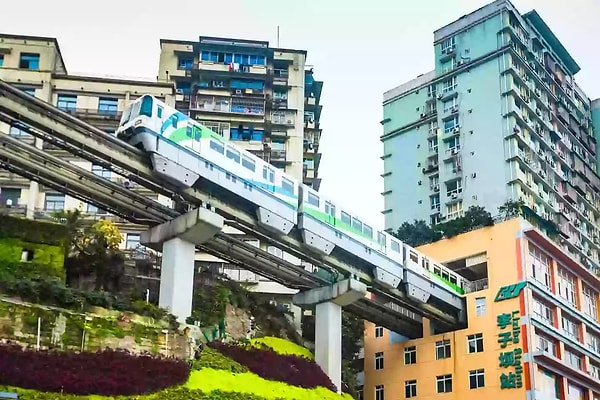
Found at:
<point>177,240</point>
<point>329,301</point>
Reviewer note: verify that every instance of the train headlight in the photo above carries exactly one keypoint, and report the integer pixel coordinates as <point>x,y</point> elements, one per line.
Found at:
<point>138,122</point>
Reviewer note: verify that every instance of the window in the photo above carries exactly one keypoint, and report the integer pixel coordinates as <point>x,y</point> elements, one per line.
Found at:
<point>357,224</point>
<point>454,188</point>
<point>330,210</point>
<point>132,241</point>
<point>108,106</point>
<point>444,383</point>
<point>248,163</point>
<point>312,199</point>
<point>448,66</point>
<point>450,105</point>
<point>449,85</point>
<point>269,174</point>
<point>480,308</point>
<point>410,355</point>
<point>67,102</point>
<point>454,210</point>
<point>54,202</point>
<point>540,265</point>
<point>222,128</point>
<point>185,63</point>
<point>592,340</point>
<point>29,61</point>
<point>570,327</point>
<point>1,60</point>
<point>432,144</point>
<point>433,126</point>
<point>546,345</point>
<point>287,186</point>
<point>450,124</point>
<point>566,285</point>
<point>410,389</point>
<point>9,197</point>
<point>346,219</point>
<point>434,201</point>
<point>395,246</point>
<point>574,360</point>
<point>475,343</point>
<point>476,379</point>
<point>590,302</point>
<point>247,134</point>
<point>101,171</point>
<point>378,331</point>
<point>442,349</point>
<point>233,154</point>
<point>93,210</point>
<point>379,394</point>
<point>217,146</point>
<point>543,311</point>
<point>18,133</point>
<point>379,360</point>
<point>448,44</point>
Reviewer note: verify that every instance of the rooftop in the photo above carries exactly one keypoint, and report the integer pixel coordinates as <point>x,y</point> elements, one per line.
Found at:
<point>52,40</point>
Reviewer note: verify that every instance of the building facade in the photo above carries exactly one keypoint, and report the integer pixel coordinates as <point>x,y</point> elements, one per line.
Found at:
<point>499,118</point>
<point>265,99</point>
<point>533,331</point>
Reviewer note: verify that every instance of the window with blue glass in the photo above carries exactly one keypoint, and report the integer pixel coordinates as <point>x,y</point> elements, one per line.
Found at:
<point>101,171</point>
<point>184,87</point>
<point>18,133</point>
<point>228,58</point>
<point>247,84</point>
<point>185,63</point>
<point>29,91</point>
<point>67,102</point>
<point>108,106</point>
<point>29,61</point>
<point>1,59</point>
<point>246,134</point>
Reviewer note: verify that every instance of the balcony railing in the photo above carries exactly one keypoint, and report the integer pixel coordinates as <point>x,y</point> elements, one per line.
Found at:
<point>228,105</point>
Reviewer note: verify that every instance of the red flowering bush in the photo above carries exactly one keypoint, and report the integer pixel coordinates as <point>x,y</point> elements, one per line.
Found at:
<point>107,373</point>
<point>293,370</point>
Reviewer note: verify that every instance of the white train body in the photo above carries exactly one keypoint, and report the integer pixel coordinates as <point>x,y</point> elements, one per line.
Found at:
<point>184,151</point>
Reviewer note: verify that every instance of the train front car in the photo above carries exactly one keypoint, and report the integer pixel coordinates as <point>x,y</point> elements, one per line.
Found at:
<point>188,154</point>
<point>325,225</point>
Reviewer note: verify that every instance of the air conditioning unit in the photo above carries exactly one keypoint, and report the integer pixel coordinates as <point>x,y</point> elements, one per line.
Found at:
<point>456,130</point>
<point>454,196</point>
<point>238,91</point>
<point>423,115</point>
<point>179,91</point>
<point>439,96</point>
<point>454,109</point>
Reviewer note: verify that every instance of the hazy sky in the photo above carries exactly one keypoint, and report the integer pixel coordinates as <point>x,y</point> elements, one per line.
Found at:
<point>358,48</point>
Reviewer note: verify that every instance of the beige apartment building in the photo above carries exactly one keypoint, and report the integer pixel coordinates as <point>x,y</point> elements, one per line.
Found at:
<point>265,99</point>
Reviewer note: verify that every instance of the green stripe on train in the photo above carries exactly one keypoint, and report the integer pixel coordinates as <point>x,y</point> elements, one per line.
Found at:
<point>328,219</point>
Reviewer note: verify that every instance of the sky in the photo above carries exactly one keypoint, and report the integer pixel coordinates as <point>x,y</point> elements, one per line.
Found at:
<point>359,49</point>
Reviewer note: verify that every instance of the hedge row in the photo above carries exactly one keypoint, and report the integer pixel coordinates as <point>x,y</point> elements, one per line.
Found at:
<point>33,231</point>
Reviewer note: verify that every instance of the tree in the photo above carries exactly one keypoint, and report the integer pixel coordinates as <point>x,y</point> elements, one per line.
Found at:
<point>475,217</point>
<point>511,209</point>
<point>93,249</point>
<point>417,233</point>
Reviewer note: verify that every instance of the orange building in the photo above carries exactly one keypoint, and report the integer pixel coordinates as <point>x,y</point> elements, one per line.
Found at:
<point>533,330</point>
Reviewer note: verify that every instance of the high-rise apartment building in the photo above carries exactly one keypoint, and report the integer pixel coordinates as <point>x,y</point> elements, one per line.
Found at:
<point>265,99</point>
<point>533,330</point>
<point>499,118</point>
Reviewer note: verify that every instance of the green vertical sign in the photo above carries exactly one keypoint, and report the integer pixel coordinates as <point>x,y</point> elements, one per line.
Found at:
<point>509,325</point>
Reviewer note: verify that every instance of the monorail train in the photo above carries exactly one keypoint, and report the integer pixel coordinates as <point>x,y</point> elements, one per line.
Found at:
<point>184,151</point>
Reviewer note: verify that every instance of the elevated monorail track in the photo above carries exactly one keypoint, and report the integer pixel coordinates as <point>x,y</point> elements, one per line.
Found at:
<point>390,308</point>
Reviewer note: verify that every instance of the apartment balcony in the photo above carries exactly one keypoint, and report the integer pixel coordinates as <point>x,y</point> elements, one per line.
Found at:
<point>230,68</point>
<point>278,155</point>
<point>579,184</point>
<point>431,168</point>
<point>280,77</point>
<point>282,119</point>
<point>569,192</point>
<point>228,105</point>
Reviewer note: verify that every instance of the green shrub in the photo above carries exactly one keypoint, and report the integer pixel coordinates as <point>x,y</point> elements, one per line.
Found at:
<point>33,231</point>
<point>211,358</point>
<point>282,346</point>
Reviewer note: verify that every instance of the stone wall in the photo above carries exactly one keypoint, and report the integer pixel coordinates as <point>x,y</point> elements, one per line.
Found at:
<point>99,329</point>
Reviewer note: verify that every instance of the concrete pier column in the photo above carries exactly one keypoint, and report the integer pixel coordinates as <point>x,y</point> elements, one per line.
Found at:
<point>328,302</point>
<point>177,277</point>
<point>177,240</point>
<point>328,340</point>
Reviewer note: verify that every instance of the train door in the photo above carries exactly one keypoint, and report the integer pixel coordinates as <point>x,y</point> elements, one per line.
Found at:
<point>268,175</point>
<point>330,213</point>
<point>382,242</point>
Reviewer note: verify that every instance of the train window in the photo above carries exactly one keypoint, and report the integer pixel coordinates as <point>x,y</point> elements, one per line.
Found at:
<point>367,231</point>
<point>287,186</point>
<point>381,239</point>
<point>174,120</point>
<point>272,175</point>
<point>445,274</point>
<point>329,209</point>
<point>159,112</point>
<point>189,131</point>
<point>217,146</point>
<point>265,173</point>
<point>346,218</point>
<point>146,106</point>
<point>356,224</point>
<point>414,257</point>
<point>312,199</point>
<point>197,133</point>
<point>233,154</point>
<point>395,246</point>
<point>249,163</point>
<point>437,270</point>
<point>453,279</point>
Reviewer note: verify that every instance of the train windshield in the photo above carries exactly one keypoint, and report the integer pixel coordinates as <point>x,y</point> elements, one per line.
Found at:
<point>146,106</point>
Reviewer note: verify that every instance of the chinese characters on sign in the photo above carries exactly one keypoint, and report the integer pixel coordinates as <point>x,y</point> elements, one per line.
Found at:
<point>511,353</point>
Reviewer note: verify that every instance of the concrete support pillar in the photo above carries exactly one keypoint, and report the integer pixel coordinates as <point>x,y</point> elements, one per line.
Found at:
<point>177,240</point>
<point>177,277</point>
<point>328,340</point>
<point>329,301</point>
<point>32,199</point>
